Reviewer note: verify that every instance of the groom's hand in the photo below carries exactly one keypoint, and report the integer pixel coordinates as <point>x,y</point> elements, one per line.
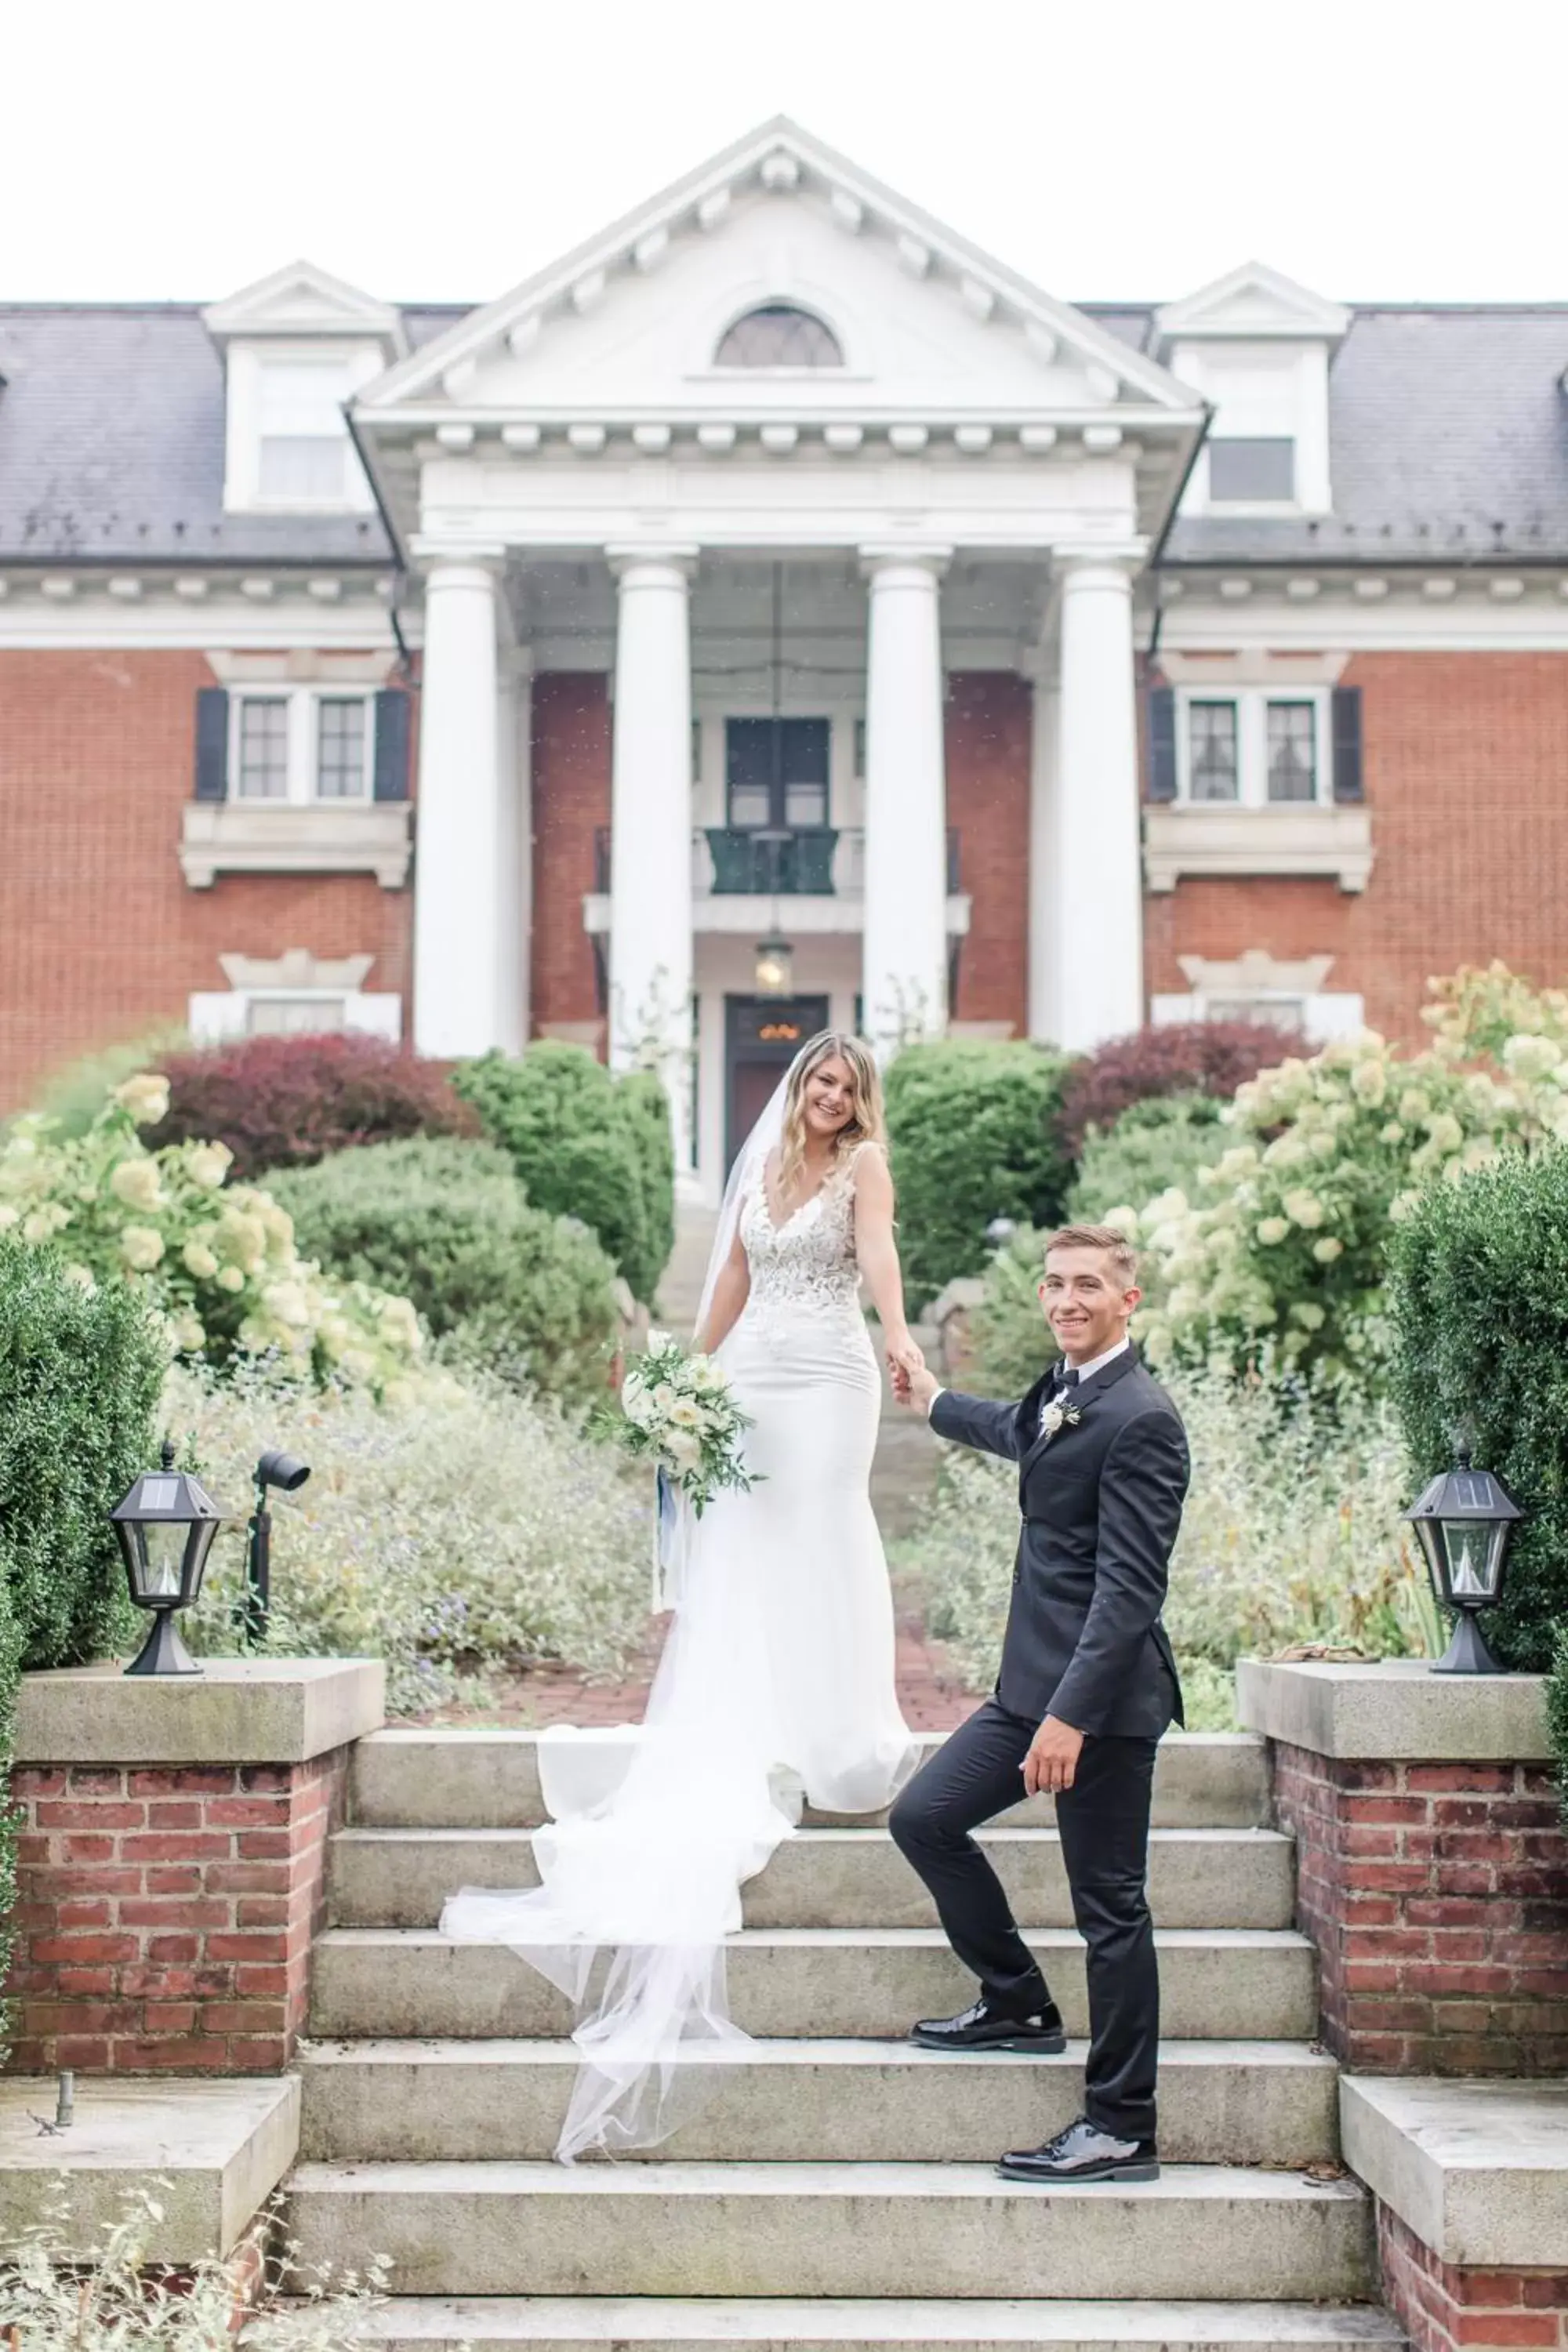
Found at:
<point>1052,1760</point>
<point>916,1389</point>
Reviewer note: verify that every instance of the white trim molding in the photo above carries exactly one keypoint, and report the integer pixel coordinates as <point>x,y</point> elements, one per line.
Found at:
<point>1258,986</point>
<point>1221,838</point>
<point>295,993</point>
<point>292,837</point>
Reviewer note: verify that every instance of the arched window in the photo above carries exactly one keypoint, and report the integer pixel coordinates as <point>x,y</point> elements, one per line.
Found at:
<point>778,335</point>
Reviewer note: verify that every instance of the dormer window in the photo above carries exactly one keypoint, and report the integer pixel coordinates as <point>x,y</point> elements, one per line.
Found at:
<point>1256,469</point>
<point>779,335</point>
<point>304,453</point>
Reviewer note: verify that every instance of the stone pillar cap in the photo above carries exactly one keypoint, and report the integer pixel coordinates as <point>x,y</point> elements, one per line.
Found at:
<point>239,1711</point>
<point>1395,1710</point>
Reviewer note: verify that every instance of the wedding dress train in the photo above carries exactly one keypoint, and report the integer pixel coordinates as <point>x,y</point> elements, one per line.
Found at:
<point>777,1681</point>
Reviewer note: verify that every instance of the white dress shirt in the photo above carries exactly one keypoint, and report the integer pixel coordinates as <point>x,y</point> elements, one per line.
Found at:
<point>1085,1371</point>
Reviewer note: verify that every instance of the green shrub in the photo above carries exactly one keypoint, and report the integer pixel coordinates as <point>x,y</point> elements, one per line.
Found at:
<point>582,1144</point>
<point>80,1372</point>
<point>1291,1533</point>
<point>464,1530</point>
<point>1011,1341</point>
<point>1557,1715</point>
<point>1479,1308</point>
<point>973,1131</point>
<point>448,1225</point>
<point>1152,1145</point>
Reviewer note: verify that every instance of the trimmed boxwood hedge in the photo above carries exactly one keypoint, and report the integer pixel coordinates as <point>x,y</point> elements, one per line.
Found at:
<point>1478,1298</point>
<point>973,1130</point>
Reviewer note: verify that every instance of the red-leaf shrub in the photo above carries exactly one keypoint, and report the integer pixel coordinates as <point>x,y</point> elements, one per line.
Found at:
<point>286,1102</point>
<point>1206,1057</point>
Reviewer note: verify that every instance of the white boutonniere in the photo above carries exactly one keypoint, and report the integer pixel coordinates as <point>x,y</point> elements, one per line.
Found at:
<point>1060,1414</point>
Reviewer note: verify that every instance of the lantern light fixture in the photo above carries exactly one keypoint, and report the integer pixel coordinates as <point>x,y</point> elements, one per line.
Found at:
<point>1465,1521</point>
<point>775,970</point>
<point>165,1527</point>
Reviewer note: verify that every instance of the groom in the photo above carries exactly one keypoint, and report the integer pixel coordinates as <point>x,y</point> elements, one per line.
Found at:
<point>1087,1686</point>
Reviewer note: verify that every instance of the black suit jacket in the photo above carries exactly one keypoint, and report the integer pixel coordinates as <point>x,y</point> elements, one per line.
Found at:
<point>1101,1502</point>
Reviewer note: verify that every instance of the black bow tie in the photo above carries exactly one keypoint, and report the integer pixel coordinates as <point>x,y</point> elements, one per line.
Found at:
<point>1066,1376</point>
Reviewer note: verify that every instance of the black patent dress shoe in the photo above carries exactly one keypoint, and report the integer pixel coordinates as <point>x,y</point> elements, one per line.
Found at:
<point>984,2026</point>
<point>1082,2152</point>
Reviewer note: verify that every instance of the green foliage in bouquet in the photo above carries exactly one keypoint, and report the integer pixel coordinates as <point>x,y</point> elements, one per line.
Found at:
<point>1479,1308</point>
<point>585,1145</point>
<point>217,1259</point>
<point>502,1286</point>
<point>973,1131</point>
<point>1278,1255</point>
<point>80,1372</point>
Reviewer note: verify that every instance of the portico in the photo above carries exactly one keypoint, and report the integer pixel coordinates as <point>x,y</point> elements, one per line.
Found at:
<point>774,464</point>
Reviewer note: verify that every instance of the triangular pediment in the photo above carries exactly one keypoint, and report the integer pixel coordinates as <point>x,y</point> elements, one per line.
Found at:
<point>301,301</point>
<point>632,319</point>
<point>1254,303</point>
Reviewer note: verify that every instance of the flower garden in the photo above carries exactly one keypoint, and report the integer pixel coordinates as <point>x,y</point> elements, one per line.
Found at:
<point>423,1281</point>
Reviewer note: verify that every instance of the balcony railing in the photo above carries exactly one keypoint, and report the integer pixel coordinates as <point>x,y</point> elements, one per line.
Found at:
<point>753,862</point>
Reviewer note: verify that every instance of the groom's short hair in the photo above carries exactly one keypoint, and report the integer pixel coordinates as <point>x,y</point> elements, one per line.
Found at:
<point>1108,1238</point>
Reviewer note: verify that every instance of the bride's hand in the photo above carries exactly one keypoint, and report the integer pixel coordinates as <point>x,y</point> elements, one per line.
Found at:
<point>903,1356</point>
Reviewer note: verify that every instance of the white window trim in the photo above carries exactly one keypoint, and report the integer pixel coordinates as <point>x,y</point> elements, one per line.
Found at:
<point>1326,1013</point>
<point>1252,743</point>
<point>242,492</point>
<point>215,1015</point>
<point>304,740</point>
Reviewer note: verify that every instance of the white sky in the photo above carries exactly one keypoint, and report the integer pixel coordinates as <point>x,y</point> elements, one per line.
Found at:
<point>178,148</point>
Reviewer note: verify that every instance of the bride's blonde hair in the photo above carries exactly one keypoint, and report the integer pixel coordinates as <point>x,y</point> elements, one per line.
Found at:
<point>865,1123</point>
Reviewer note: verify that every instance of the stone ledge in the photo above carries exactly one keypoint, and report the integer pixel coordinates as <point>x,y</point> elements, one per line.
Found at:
<point>211,2152</point>
<point>1479,2171</point>
<point>1396,1711</point>
<point>241,1711</point>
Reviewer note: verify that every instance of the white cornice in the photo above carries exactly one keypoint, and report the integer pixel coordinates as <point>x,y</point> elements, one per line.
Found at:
<point>1252,304</point>
<point>699,206</point>
<point>301,301</point>
<point>1415,612</point>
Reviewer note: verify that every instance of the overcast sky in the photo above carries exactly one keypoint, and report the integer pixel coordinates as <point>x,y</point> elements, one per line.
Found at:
<point>1374,149</point>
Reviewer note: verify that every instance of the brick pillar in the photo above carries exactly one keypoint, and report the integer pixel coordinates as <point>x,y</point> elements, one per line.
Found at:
<point>166,1910</point>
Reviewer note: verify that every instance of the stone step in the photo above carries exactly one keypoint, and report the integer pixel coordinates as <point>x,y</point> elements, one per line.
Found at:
<point>488,1779</point>
<point>833,1878</point>
<point>567,2323</point>
<point>787,2102</point>
<point>922,2230</point>
<point>1216,1984</point>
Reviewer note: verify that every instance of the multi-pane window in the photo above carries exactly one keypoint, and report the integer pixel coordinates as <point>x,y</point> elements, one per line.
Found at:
<point>1292,751</point>
<point>779,335</point>
<point>262,771</point>
<point>340,748</point>
<point>1252,469</point>
<point>304,451</point>
<point>1213,766</point>
<point>776,773</point>
<point>301,746</point>
<point>1254,749</point>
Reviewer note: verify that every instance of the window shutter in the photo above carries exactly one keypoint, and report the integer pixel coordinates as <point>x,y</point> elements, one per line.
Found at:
<point>392,745</point>
<point>1348,784</point>
<point>212,743</point>
<point>1161,744</point>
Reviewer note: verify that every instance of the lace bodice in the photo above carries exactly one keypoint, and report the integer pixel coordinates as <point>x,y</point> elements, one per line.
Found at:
<point>807,1263</point>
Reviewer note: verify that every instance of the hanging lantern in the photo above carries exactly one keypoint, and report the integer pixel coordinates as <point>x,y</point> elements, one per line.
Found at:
<point>774,968</point>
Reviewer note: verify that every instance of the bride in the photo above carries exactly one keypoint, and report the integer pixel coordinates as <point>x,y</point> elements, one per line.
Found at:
<point>777,1676</point>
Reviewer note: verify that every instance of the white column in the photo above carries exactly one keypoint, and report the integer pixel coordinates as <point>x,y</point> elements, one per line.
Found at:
<point>905,944</point>
<point>1043,857</point>
<point>650,828</point>
<point>514,860</point>
<point>1098,901</point>
<point>456,900</point>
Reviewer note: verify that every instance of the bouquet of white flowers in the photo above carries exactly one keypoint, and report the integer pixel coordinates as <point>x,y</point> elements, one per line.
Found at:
<point>679,1414</point>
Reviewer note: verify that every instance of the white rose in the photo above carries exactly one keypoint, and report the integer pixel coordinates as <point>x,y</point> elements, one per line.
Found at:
<point>1328,1249</point>
<point>135,1182</point>
<point>1303,1208</point>
<point>209,1164</point>
<point>1271,1230</point>
<point>199,1261</point>
<point>230,1278</point>
<point>141,1247</point>
<point>145,1097</point>
<point>684,1452</point>
<point>189,1334</point>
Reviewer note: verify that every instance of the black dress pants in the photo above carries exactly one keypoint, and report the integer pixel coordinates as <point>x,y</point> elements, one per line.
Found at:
<point>1103,1820</point>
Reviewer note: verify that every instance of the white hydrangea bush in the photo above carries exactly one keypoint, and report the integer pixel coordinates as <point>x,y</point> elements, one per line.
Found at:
<point>1278,1256</point>
<point>219,1259</point>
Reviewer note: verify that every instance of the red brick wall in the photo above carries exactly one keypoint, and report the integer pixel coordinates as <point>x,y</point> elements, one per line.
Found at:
<point>571,803</point>
<point>101,938</point>
<point>1466,783</point>
<point>1437,1897</point>
<point>1443,2306</point>
<point>989,748</point>
<point>165,1914</point>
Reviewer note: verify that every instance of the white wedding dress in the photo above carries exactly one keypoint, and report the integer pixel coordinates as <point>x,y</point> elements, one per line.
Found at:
<point>776,1680</point>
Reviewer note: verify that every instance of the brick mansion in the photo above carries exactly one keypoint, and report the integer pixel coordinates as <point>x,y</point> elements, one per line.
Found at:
<point>776,611</point>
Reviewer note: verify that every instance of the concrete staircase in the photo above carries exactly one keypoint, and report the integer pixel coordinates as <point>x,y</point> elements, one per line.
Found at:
<point>837,2189</point>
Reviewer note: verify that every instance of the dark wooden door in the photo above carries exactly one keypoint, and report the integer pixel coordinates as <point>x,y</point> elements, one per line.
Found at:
<point>763,1036</point>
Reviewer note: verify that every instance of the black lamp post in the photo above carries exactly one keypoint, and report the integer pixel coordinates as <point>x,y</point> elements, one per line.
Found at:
<point>165,1526</point>
<point>1465,1521</point>
<point>285,1471</point>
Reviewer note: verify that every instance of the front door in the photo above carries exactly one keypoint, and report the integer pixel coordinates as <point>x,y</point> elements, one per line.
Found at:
<point>763,1034</point>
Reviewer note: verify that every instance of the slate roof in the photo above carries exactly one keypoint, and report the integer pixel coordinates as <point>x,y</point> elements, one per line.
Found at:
<point>1448,443</point>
